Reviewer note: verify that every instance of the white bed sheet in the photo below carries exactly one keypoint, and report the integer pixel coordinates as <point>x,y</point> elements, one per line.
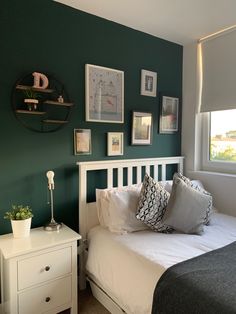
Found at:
<point>128,266</point>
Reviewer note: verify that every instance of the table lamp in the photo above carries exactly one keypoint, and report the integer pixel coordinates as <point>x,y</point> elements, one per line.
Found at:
<point>52,225</point>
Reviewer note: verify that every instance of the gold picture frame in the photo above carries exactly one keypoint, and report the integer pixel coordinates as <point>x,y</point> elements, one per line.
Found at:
<point>141,128</point>
<point>115,143</point>
<point>82,142</point>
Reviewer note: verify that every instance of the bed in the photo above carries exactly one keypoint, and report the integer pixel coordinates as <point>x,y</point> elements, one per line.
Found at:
<point>123,269</point>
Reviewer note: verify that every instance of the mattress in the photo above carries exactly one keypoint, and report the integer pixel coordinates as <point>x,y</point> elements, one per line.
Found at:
<point>128,266</point>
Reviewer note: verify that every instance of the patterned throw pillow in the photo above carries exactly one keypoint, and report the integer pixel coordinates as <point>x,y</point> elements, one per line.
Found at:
<point>199,189</point>
<point>152,204</point>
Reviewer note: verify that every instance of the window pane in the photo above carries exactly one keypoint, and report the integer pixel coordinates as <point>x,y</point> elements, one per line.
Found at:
<point>223,136</point>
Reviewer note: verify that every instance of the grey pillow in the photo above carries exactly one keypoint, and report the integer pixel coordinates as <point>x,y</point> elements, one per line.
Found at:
<point>201,190</point>
<point>152,204</point>
<point>186,209</point>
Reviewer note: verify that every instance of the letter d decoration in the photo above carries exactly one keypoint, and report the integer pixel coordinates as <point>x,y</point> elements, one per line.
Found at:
<point>40,80</point>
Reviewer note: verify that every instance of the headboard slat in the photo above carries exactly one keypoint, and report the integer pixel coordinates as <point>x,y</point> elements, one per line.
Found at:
<point>120,176</point>
<point>163,172</point>
<point>130,175</point>
<point>147,170</point>
<point>110,177</point>
<point>155,172</point>
<point>139,174</point>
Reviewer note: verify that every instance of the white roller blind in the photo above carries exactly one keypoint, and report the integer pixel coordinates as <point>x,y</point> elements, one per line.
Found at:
<point>219,72</point>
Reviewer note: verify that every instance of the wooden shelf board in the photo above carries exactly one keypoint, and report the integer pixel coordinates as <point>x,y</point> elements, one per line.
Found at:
<point>57,103</point>
<point>55,121</point>
<point>31,112</point>
<point>25,87</point>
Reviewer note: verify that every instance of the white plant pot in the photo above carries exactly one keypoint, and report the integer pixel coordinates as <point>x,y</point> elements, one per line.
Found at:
<point>21,228</point>
<point>32,103</point>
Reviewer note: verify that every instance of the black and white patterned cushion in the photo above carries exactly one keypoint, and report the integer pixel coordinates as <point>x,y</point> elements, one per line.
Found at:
<point>152,204</point>
<point>199,189</point>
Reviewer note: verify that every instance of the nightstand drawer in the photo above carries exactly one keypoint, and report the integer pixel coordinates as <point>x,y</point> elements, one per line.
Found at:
<point>45,298</point>
<point>43,267</point>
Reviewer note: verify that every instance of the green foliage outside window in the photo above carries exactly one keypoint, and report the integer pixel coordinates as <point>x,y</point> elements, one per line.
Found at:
<point>229,154</point>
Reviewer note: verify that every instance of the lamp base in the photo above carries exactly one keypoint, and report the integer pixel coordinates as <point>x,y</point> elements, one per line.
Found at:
<point>52,226</point>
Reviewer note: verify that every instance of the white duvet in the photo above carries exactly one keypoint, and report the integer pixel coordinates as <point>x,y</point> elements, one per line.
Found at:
<point>128,266</point>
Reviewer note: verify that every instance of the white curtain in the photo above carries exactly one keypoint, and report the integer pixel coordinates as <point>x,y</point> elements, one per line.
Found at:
<point>218,72</point>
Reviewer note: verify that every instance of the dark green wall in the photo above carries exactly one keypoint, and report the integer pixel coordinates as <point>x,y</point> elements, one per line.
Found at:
<point>50,37</point>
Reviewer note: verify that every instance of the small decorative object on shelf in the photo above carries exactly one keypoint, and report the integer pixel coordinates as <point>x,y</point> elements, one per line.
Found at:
<point>41,103</point>
<point>52,225</point>
<point>31,99</point>
<point>20,217</point>
<point>60,99</point>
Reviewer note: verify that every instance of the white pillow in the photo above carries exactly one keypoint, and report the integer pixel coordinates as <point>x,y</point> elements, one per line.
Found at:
<point>167,185</point>
<point>116,208</point>
<point>102,203</point>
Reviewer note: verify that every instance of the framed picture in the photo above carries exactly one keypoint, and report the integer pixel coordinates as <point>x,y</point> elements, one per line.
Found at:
<point>82,142</point>
<point>141,128</point>
<point>169,115</point>
<point>115,143</point>
<point>148,83</point>
<point>104,90</point>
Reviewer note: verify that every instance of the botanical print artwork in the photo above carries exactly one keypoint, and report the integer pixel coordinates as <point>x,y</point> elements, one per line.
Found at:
<point>104,101</point>
<point>169,115</point>
<point>82,141</point>
<point>115,143</point>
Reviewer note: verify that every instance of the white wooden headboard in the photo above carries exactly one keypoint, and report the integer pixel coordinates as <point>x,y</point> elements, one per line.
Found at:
<point>87,211</point>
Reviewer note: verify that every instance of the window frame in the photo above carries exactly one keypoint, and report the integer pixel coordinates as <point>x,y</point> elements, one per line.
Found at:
<point>207,164</point>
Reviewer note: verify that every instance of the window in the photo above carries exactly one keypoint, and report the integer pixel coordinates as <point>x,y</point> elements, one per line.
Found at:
<point>217,99</point>
<point>219,141</point>
<point>223,135</point>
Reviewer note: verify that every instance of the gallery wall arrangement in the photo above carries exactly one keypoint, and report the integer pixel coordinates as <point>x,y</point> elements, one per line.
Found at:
<point>112,74</point>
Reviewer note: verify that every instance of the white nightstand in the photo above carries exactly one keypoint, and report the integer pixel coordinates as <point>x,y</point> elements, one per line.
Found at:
<point>39,273</point>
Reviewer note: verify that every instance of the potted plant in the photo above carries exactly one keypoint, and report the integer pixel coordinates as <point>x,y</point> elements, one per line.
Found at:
<point>20,217</point>
<point>31,99</point>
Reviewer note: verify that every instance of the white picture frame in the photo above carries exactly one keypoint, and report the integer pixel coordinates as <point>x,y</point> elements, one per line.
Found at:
<point>82,142</point>
<point>141,128</point>
<point>169,115</point>
<point>148,83</point>
<point>104,93</point>
<point>115,143</point>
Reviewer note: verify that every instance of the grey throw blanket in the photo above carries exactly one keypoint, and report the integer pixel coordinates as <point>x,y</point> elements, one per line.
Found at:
<point>205,284</point>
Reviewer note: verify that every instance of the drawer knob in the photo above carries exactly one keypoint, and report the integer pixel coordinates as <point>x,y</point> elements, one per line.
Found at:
<point>47,268</point>
<point>47,299</point>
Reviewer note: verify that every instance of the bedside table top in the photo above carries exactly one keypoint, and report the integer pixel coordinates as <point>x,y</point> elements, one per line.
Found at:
<point>38,239</point>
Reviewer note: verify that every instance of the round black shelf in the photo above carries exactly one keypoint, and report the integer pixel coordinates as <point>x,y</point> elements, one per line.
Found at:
<point>41,110</point>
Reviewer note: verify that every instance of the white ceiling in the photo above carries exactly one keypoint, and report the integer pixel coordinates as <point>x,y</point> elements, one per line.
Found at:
<point>180,21</point>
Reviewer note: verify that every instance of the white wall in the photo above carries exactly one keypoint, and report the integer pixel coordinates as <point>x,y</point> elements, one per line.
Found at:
<point>222,186</point>
<point>189,104</point>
